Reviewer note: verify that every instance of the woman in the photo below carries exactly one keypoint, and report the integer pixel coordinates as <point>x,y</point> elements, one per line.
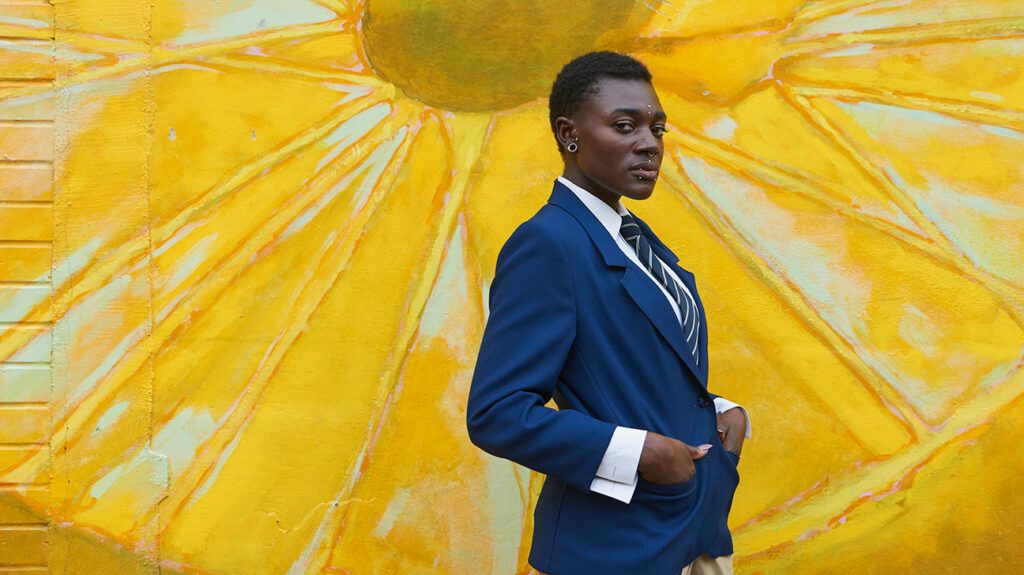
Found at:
<point>588,307</point>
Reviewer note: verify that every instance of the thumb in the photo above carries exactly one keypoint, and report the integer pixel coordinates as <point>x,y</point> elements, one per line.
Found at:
<point>696,452</point>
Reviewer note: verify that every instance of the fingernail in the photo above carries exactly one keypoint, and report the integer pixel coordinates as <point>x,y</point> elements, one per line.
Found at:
<point>704,447</point>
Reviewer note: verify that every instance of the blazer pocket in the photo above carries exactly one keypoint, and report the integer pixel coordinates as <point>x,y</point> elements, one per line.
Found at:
<point>675,490</point>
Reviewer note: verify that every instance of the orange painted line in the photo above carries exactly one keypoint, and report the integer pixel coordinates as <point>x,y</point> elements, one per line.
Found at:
<point>135,252</point>
<point>1010,297</point>
<point>813,518</point>
<point>822,10</point>
<point>873,382</point>
<point>464,162</point>
<point>809,86</point>
<point>134,362</point>
<point>169,54</point>
<point>297,71</point>
<point>906,481</point>
<point>238,417</point>
<point>759,173</point>
<point>935,33</point>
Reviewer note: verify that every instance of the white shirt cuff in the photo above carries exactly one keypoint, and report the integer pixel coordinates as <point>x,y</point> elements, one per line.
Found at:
<point>617,475</point>
<point>722,405</point>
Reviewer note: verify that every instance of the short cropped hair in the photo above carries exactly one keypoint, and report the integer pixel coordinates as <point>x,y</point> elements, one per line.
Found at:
<point>578,81</point>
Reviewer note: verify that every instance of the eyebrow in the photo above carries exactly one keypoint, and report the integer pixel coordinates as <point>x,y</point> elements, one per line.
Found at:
<point>659,115</point>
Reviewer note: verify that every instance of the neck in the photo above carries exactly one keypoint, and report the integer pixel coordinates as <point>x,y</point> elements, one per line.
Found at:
<point>574,175</point>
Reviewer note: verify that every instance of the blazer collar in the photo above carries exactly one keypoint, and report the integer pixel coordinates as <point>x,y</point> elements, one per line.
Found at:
<point>607,217</point>
<point>610,217</point>
<point>564,198</point>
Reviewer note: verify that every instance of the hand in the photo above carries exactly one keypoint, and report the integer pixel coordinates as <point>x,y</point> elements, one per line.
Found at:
<point>732,429</point>
<point>665,460</point>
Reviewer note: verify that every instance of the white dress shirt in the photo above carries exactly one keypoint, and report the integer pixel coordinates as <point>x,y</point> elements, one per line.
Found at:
<point>617,475</point>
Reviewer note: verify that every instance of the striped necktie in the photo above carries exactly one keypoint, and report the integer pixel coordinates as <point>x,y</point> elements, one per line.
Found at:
<point>631,232</point>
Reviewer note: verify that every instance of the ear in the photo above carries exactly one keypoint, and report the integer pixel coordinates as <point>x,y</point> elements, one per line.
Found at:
<point>564,131</point>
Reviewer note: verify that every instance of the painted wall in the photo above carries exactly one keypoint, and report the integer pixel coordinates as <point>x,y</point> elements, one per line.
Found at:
<point>245,245</point>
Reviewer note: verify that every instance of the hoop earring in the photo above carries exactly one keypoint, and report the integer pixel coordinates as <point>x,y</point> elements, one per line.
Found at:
<point>571,147</point>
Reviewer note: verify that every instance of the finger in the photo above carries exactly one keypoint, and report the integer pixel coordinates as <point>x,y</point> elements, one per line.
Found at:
<point>696,452</point>
<point>722,434</point>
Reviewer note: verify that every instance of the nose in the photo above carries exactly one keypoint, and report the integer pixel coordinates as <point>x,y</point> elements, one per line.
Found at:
<point>648,146</point>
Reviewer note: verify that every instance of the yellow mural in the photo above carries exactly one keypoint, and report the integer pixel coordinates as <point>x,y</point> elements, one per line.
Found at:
<point>245,248</point>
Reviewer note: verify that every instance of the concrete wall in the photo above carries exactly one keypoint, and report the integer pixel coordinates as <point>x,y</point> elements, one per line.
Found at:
<point>245,247</point>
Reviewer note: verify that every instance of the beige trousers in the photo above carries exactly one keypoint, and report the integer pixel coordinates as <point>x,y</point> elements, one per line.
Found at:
<point>703,565</point>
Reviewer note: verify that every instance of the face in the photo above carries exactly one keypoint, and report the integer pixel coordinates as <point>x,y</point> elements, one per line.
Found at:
<point>619,133</point>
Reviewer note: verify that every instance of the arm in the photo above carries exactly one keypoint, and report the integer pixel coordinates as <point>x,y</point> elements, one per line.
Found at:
<point>733,424</point>
<point>529,333</point>
<point>635,452</point>
<point>617,475</point>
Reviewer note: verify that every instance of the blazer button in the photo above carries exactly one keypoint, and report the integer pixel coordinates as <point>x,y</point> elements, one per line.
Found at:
<point>703,402</point>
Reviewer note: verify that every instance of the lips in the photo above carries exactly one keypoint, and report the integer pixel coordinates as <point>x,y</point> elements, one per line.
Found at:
<point>645,171</point>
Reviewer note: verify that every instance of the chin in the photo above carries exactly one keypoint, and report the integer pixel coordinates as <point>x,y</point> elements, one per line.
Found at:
<point>640,189</point>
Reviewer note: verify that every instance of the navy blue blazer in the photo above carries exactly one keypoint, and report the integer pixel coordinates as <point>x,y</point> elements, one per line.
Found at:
<point>572,318</point>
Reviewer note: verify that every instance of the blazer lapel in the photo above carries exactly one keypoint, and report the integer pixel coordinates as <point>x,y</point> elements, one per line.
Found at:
<point>670,258</point>
<point>657,309</point>
<point>563,197</point>
<point>639,287</point>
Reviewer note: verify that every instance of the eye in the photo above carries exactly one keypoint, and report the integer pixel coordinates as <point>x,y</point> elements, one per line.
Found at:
<point>624,126</point>
<point>658,131</point>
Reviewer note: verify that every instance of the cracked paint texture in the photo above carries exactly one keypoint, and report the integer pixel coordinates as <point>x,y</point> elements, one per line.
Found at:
<point>245,248</point>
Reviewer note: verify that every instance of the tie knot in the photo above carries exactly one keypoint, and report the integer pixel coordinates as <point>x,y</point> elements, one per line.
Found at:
<point>629,229</point>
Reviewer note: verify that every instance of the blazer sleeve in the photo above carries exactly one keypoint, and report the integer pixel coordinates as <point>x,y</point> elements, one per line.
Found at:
<point>526,341</point>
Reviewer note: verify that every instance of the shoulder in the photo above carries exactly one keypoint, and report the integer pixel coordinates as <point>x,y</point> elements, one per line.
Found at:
<point>551,226</point>
<point>554,220</point>
<point>534,260</point>
<point>551,240</point>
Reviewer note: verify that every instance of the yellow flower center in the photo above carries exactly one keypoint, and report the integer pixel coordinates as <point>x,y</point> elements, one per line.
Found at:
<point>480,55</point>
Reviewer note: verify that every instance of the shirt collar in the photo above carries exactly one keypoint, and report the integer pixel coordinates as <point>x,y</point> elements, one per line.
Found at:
<point>610,218</point>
